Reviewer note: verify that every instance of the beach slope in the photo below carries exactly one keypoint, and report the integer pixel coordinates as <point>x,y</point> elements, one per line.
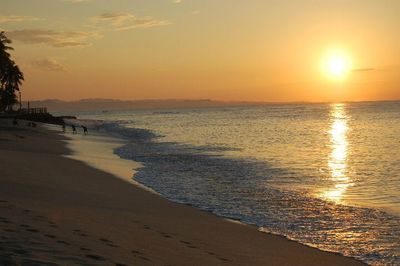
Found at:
<point>55,209</point>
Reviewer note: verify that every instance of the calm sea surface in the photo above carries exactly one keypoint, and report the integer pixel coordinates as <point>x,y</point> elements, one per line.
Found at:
<point>326,175</point>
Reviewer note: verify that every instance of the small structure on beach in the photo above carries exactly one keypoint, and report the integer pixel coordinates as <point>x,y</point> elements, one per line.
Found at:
<point>36,110</point>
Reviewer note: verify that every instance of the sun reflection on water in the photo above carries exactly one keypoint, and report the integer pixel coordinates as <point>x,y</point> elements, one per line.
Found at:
<point>337,161</point>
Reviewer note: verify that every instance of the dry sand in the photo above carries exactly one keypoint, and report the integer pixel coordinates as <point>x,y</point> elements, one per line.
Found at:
<point>58,210</point>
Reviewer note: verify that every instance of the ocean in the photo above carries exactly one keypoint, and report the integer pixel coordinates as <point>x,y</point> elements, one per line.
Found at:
<point>325,175</point>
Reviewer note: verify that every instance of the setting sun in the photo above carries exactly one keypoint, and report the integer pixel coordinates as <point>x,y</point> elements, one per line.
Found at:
<point>336,65</point>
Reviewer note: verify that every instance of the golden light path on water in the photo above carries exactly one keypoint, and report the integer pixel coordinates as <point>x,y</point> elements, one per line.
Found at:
<point>337,160</point>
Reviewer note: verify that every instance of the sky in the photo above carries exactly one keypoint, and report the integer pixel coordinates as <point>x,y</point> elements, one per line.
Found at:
<point>231,50</point>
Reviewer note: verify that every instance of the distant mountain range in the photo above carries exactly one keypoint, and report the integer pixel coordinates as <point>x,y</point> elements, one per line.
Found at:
<point>70,107</point>
<point>54,105</point>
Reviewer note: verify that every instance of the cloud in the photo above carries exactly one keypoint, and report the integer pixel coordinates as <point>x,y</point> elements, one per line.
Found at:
<point>76,1</point>
<point>48,64</point>
<point>363,69</point>
<point>177,1</point>
<point>126,21</point>
<point>53,38</point>
<point>6,19</point>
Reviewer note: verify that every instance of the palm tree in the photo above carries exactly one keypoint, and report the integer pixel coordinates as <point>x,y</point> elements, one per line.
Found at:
<point>11,81</point>
<point>11,76</point>
<point>4,41</point>
<point>4,55</point>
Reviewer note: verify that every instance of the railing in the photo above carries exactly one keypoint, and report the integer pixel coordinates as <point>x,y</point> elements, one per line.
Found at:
<point>36,110</point>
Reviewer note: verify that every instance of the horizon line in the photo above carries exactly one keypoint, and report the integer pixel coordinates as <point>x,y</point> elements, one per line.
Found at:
<point>91,100</point>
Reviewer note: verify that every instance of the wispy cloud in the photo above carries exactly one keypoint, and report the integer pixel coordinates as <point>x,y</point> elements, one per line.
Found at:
<point>363,69</point>
<point>177,1</point>
<point>126,21</point>
<point>48,64</point>
<point>6,19</point>
<point>53,38</point>
<point>76,1</point>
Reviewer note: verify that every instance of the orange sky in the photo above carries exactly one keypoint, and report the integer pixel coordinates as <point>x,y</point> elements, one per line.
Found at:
<point>225,50</point>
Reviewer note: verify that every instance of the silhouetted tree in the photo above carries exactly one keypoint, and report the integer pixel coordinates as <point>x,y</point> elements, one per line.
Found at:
<point>4,41</point>
<point>4,55</point>
<point>11,76</point>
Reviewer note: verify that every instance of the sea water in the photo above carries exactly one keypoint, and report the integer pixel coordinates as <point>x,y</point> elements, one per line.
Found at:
<point>326,175</point>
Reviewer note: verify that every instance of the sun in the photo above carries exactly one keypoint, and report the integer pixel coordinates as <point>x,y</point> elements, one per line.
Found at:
<point>336,64</point>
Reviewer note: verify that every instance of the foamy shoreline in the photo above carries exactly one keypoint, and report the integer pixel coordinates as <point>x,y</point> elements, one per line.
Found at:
<point>60,210</point>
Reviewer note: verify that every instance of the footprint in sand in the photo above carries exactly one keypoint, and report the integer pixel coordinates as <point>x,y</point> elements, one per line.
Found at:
<point>144,258</point>
<point>215,255</point>
<point>20,251</point>
<point>147,227</point>
<point>135,252</point>
<point>188,244</point>
<point>38,218</point>
<point>63,242</point>
<point>108,242</point>
<point>4,221</point>
<point>140,255</point>
<point>164,234</point>
<point>95,257</point>
<point>80,233</point>
<point>37,243</point>
<point>35,262</point>
<point>52,224</point>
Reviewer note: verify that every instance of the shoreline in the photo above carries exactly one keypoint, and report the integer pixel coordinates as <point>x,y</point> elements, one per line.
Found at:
<point>78,214</point>
<point>97,151</point>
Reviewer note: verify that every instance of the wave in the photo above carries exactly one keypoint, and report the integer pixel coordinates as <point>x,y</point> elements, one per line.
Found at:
<point>239,189</point>
<point>116,129</point>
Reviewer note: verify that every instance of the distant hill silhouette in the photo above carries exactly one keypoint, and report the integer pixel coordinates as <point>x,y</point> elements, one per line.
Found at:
<point>54,105</point>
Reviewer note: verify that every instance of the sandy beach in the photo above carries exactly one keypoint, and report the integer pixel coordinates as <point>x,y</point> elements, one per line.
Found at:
<point>60,211</point>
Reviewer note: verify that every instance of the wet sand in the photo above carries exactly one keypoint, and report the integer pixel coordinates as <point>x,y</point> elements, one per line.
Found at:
<point>55,209</point>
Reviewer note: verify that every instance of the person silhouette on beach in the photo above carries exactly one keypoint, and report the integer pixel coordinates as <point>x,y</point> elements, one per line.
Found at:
<point>15,122</point>
<point>73,129</point>
<point>85,131</point>
<point>63,127</point>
